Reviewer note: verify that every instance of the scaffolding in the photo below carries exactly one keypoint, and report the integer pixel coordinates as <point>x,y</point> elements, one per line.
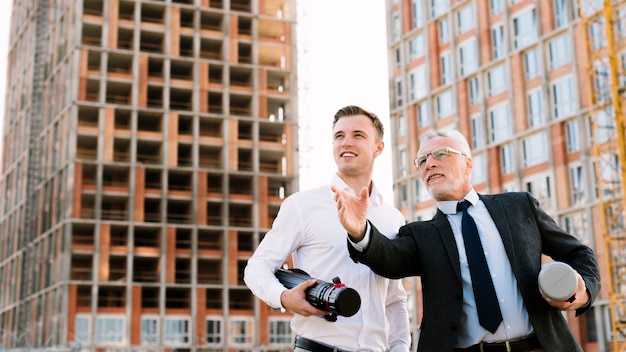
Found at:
<point>606,50</point>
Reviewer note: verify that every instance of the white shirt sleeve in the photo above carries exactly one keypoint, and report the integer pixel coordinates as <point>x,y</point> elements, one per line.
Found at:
<point>272,253</point>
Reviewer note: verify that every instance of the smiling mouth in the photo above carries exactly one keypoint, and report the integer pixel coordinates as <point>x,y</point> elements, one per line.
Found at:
<point>435,176</point>
<point>350,155</point>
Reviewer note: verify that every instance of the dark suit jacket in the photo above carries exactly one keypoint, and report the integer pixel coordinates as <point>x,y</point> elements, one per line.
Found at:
<point>427,249</point>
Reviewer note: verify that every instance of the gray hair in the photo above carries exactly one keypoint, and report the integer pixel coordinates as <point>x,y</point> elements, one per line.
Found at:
<point>459,140</point>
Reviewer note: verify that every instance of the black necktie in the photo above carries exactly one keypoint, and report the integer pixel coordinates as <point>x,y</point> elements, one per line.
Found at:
<point>489,314</point>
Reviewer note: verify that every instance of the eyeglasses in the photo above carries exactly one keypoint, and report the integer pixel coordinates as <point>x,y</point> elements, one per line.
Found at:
<point>437,154</point>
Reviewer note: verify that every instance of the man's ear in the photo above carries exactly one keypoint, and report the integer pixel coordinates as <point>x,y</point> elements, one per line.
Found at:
<point>379,148</point>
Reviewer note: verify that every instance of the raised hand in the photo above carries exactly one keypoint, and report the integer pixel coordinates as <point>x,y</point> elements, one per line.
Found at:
<point>352,211</point>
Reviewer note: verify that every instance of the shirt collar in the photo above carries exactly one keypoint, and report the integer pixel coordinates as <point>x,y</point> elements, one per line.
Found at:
<point>376,197</point>
<point>449,206</point>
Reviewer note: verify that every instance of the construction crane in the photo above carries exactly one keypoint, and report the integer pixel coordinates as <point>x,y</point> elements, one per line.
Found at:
<point>605,62</point>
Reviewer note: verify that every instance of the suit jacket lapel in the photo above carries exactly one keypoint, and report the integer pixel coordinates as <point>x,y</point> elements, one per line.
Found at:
<point>500,218</point>
<point>447,237</point>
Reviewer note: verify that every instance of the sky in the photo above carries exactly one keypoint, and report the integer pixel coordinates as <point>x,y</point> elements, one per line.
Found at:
<point>343,62</point>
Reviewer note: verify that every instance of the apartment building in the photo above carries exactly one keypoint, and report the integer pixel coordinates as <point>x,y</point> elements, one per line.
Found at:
<point>148,145</point>
<point>510,75</point>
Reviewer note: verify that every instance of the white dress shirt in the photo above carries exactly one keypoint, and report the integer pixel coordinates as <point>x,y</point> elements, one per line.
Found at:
<point>307,226</point>
<point>515,322</point>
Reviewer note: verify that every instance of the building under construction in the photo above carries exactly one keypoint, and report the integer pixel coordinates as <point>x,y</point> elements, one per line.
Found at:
<point>537,87</point>
<point>148,145</point>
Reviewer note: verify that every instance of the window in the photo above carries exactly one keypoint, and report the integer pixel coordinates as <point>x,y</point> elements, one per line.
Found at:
<point>564,99</point>
<point>560,13</point>
<point>444,31</point>
<point>214,333</point>
<point>446,68</point>
<point>591,6</point>
<point>535,108</point>
<point>417,47</point>
<point>421,193</point>
<point>280,332</point>
<point>465,19</point>
<point>525,29</point>
<point>497,80</point>
<point>500,122</point>
<point>110,330</point>
<point>439,7</point>
<point>83,329</point>
<point>480,170</point>
<point>468,56</point>
<point>577,225</point>
<point>596,30</point>
<point>609,174</point>
<point>240,331</point>
<point>418,13</point>
<point>176,331</point>
<point>540,189</point>
<point>478,137</point>
<point>577,191</point>
<point>560,52</point>
<point>404,195</point>
<point>398,58</point>
<point>531,63</point>
<point>397,28</point>
<point>497,36</point>
<point>604,128</point>
<point>423,116</point>
<point>419,82</point>
<point>601,82</point>
<point>445,105</point>
<point>404,162</point>
<point>474,93</point>
<point>506,159</point>
<point>495,6</point>
<point>398,92</point>
<point>149,330</point>
<point>535,150</point>
<point>573,139</point>
<point>401,125</point>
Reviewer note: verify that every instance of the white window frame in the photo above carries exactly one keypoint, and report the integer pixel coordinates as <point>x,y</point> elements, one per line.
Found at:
<point>444,30</point>
<point>215,337</point>
<point>577,184</point>
<point>560,51</point>
<point>283,337</point>
<point>474,90</point>
<point>478,134</point>
<point>114,335</point>
<point>445,104</point>
<point>536,114</point>
<point>465,19</point>
<point>497,41</point>
<point>532,66</point>
<point>525,33</point>
<point>561,15</point>
<point>535,148</point>
<point>468,56</point>
<point>150,334</point>
<point>573,136</point>
<point>417,46</point>
<point>83,329</point>
<point>497,82</point>
<point>507,159</point>
<point>479,162</point>
<point>446,67</point>
<point>177,338</point>
<point>539,185</point>
<point>500,123</point>
<point>418,18</point>
<point>563,97</point>
<point>240,331</point>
